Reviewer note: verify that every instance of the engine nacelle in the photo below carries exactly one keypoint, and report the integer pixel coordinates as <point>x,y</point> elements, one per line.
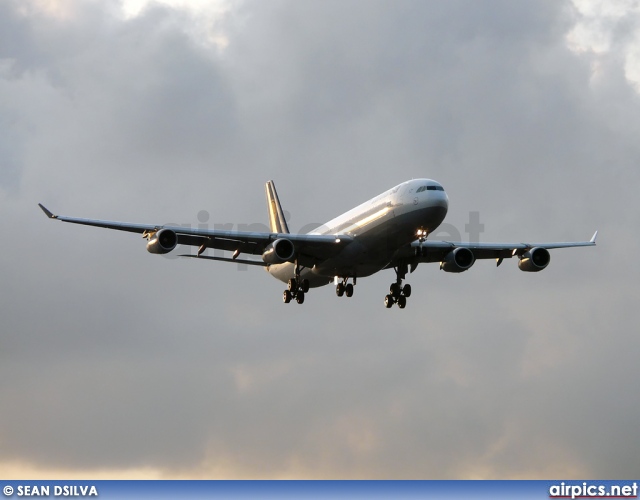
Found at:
<point>162,241</point>
<point>278,252</point>
<point>458,260</point>
<point>534,260</point>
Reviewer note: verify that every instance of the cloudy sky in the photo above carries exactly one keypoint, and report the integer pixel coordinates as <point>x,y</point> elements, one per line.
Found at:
<point>115,363</point>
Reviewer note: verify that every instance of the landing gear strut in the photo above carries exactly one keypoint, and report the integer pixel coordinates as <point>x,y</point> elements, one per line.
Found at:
<point>398,294</point>
<point>296,289</point>
<point>344,288</point>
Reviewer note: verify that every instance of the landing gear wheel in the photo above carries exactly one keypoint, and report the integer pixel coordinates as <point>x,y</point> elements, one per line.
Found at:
<point>296,287</point>
<point>389,301</point>
<point>398,294</point>
<point>348,290</point>
<point>402,302</point>
<point>339,289</point>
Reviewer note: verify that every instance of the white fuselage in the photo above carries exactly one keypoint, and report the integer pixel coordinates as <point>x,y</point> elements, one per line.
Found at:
<point>379,228</point>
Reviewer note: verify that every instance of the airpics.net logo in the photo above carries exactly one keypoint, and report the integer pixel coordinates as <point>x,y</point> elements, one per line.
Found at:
<point>586,490</point>
<point>50,491</point>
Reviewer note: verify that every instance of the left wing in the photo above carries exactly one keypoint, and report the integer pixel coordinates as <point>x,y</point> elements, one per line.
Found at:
<point>459,256</point>
<point>308,249</point>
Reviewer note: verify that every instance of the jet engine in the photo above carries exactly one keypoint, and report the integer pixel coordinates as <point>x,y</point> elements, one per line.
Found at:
<point>458,260</point>
<point>162,241</point>
<point>534,260</point>
<point>278,252</point>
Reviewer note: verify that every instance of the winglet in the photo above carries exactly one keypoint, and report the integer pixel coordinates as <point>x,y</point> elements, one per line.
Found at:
<point>47,212</point>
<point>593,238</point>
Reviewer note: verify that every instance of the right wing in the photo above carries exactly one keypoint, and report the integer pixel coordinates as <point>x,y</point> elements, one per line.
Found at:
<point>438,251</point>
<point>310,249</point>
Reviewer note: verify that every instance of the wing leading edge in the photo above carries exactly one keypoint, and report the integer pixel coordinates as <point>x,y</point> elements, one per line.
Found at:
<point>310,248</point>
<point>436,251</point>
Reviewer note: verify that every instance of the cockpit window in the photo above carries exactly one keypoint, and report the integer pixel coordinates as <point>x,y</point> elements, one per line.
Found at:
<point>429,188</point>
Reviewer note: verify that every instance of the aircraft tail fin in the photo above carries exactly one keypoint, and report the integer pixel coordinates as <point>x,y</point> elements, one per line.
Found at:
<point>277,223</point>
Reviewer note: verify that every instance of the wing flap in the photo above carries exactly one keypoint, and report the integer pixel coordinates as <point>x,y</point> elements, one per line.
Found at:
<point>227,259</point>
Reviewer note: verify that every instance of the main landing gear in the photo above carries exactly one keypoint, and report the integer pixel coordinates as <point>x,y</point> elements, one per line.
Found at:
<point>297,287</point>
<point>398,294</point>
<point>345,288</point>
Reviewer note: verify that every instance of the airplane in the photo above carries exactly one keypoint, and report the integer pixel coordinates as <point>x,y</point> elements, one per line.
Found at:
<point>388,231</point>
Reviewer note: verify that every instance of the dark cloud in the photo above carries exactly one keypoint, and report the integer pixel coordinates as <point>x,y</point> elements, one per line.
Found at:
<point>112,359</point>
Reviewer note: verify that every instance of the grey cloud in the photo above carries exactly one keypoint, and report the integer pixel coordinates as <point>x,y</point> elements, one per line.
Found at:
<point>111,358</point>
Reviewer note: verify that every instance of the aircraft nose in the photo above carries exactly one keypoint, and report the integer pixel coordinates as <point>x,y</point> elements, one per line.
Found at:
<point>439,199</point>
